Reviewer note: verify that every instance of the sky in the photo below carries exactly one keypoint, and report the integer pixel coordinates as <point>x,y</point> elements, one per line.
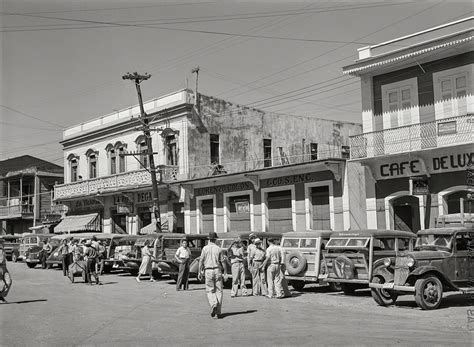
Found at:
<point>62,60</point>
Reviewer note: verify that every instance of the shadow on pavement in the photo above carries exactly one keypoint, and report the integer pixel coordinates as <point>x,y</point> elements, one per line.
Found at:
<point>22,302</point>
<point>228,314</point>
<point>455,300</point>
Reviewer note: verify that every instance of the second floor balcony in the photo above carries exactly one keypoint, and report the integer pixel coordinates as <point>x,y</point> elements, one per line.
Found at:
<point>16,211</point>
<point>440,133</point>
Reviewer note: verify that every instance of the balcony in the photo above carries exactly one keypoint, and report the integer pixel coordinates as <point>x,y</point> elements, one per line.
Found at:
<point>440,133</point>
<point>16,211</point>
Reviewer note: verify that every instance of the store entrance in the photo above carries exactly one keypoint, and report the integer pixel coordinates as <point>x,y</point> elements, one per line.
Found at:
<point>406,214</point>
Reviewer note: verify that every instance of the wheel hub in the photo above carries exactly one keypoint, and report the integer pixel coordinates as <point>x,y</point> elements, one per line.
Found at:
<point>431,293</point>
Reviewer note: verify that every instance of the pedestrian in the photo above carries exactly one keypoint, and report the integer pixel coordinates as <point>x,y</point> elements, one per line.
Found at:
<point>77,251</point>
<point>272,263</point>
<point>256,256</point>
<point>90,256</point>
<point>183,257</point>
<point>65,250</point>
<point>213,265</point>
<point>285,290</point>
<point>102,256</point>
<point>146,264</point>
<point>45,253</point>
<point>5,278</point>
<point>236,255</point>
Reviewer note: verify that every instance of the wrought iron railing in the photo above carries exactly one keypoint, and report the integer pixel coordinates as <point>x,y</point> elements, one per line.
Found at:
<point>439,133</point>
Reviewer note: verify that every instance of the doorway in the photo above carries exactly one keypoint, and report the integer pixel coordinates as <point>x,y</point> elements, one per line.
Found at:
<point>406,213</point>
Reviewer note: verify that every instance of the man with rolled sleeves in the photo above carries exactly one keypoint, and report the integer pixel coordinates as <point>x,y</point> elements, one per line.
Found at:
<point>236,255</point>
<point>273,261</point>
<point>212,264</point>
<point>256,257</point>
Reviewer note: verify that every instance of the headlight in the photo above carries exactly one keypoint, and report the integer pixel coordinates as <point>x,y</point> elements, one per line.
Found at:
<point>410,262</point>
<point>56,254</point>
<point>387,262</point>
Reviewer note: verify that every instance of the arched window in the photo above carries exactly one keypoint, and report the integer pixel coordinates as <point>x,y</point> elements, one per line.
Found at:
<point>92,158</point>
<point>453,202</point>
<point>73,161</point>
<point>120,150</point>
<point>112,156</point>
<point>142,147</point>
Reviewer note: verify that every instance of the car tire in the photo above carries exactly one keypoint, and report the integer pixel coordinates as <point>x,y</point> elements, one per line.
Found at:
<point>297,285</point>
<point>343,267</point>
<point>335,286</point>
<point>348,289</point>
<point>31,265</point>
<point>295,257</point>
<point>428,292</point>
<point>381,296</point>
<point>174,278</point>
<point>134,272</point>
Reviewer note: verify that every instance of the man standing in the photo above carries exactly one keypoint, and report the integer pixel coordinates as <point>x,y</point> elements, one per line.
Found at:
<point>5,279</point>
<point>183,256</point>
<point>64,250</point>
<point>212,263</point>
<point>273,260</point>
<point>236,255</point>
<point>46,251</point>
<point>256,256</point>
<point>285,291</point>
<point>91,255</point>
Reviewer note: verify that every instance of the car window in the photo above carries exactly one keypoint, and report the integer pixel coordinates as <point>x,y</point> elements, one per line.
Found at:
<point>385,244</point>
<point>358,242</point>
<point>33,240</point>
<point>226,243</point>
<point>290,243</point>
<point>337,242</point>
<point>308,243</point>
<point>462,242</point>
<point>403,244</point>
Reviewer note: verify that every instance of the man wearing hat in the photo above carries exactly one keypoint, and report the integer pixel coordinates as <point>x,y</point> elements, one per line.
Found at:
<point>212,264</point>
<point>236,255</point>
<point>256,256</point>
<point>91,255</point>
<point>273,260</point>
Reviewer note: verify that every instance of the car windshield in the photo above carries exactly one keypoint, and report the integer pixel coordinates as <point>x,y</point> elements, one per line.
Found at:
<point>357,242</point>
<point>434,241</point>
<point>308,243</point>
<point>290,243</point>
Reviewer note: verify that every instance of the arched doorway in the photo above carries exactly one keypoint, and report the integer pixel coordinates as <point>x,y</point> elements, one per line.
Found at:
<point>406,213</point>
<point>453,202</point>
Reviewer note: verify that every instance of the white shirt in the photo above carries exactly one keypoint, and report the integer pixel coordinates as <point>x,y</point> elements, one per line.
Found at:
<point>183,253</point>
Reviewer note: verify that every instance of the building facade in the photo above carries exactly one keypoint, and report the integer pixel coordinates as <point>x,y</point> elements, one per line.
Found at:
<point>417,145</point>
<point>196,143</point>
<point>26,194</point>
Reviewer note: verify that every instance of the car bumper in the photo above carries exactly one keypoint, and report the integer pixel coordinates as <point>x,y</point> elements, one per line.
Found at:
<point>32,260</point>
<point>314,279</point>
<point>391,286</point>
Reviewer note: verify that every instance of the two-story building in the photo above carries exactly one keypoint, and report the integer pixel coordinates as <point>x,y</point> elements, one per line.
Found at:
<point>26,193</point>
<point>199,149</point>
<point>417,145</point>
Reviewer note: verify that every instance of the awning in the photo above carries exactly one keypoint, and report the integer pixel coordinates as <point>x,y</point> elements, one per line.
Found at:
<point>87,222</point>
<point>148,229</point>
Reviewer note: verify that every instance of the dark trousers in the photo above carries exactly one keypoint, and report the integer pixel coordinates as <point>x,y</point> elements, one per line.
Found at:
<point>43,257</point>
<point>90,270</point>
<point>65,259</point>
<point>183,275</point>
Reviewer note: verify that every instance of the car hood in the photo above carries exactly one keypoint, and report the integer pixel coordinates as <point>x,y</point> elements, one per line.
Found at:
<point>422,255</point>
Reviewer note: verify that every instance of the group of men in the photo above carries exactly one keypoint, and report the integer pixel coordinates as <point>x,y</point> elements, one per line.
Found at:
<point>266,266</point>
<point>87,250</point>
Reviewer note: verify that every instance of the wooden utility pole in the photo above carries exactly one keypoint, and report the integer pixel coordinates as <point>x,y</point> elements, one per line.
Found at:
<point>137,78</point>
<point>197,102</point>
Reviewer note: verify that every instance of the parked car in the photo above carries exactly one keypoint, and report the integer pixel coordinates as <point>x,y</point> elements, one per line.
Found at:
<point>31,248</point>
<point>11,245</point>
<point>304,261</point>
<point>55,257</point>
<point>440,263</point>
<point>122,254</point>
<point>170,242</point>
<point>352,258</point>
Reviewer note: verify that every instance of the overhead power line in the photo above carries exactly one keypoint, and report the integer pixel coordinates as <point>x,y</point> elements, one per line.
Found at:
<point>31,116</point>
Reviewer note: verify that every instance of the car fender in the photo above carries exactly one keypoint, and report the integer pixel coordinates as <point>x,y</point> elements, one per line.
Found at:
<point>422,270</point>
<point>194,267</point>
<point>383,271</point>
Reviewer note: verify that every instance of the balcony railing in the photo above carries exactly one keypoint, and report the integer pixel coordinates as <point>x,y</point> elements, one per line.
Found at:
<point>16,211</point>
<point>166,173</point>
<point>415,137</point>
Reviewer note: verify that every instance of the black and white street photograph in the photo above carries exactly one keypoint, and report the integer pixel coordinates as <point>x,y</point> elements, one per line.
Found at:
<point>236,173</point>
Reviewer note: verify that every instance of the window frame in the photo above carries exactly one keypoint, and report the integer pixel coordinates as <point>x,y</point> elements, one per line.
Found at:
<point>212,141</point>
<point>400,117</point>
<point>267,152</point>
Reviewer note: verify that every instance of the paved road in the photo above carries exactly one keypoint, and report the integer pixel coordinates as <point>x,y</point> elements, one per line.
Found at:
<point>46,309</point>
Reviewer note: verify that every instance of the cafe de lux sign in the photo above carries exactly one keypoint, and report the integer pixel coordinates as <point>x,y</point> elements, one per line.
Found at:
<point>421,164</point>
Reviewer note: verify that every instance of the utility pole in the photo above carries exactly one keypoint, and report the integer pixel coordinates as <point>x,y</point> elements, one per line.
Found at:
<point>137,78</point>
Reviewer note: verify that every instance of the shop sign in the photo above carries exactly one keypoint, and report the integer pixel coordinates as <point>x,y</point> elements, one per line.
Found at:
<point>419,186</point>
<point>242,207</point>
<point>86,204</point>
<point>144,197</point>
<point>226,188</point>
<point>447,128</point>
<point>288,180</point>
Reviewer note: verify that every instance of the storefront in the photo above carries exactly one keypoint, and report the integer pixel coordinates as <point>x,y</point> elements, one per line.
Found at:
<point>278,199</point>
<point>408,192</point>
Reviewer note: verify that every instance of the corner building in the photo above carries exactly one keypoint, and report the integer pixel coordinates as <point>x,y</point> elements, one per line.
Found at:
<point>417,145</point>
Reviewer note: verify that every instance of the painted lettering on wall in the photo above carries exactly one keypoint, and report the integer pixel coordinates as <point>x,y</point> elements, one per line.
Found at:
<point>453,161</point>
<point>234,187</point>
<point>144,197</point>
<point>86,204</point>
<point>286,180</point>
<point>402,168</point>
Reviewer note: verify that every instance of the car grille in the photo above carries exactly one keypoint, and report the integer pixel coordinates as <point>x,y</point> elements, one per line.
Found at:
<point>401,270</point>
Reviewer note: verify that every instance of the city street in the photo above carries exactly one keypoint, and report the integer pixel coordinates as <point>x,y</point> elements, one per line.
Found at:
<point>45,308</point>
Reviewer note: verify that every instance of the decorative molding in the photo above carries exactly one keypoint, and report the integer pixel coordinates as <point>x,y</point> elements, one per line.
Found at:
<point>254,179</point>
<point>336,169</point>
<point>188,188</point>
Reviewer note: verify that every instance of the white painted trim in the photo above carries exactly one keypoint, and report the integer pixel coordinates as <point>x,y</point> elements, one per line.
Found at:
<point>226,196</point>
<point>421,205</point>
<point>442,195</point>
<point>389,207</point>
<point>198,211</point>
<point>371,208</point>
<point>308,205</point>
<point>264,205</point>
<point>412,83</point>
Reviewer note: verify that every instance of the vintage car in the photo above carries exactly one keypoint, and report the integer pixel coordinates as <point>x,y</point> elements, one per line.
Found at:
<point>352,258</point>
<point>439,263</point>
<point>303,258</point>
<point>11,245</point>
<point>170,242</point>
<point>122,254</point>
<point>31,248</point>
